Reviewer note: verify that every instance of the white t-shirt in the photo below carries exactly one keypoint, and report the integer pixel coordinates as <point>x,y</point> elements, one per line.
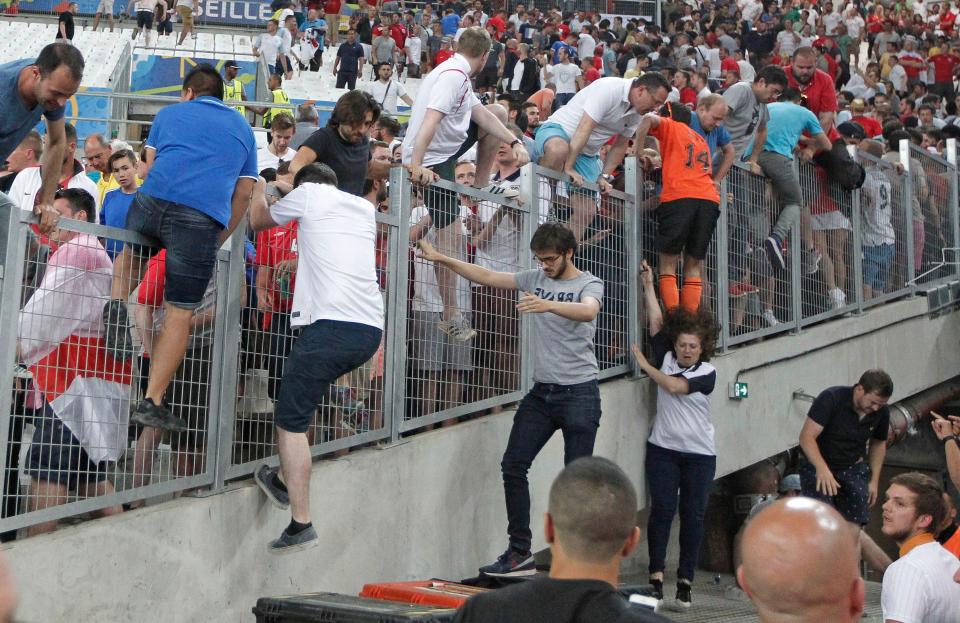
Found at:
<point>456,36</point>
<point>831,21</point>
<point>898,77</point>
<point>336,273</point>
<point>565,77</point>
<point>447,89</point>
<point>585,46</point>
<point>27,183</point>
<point>269,46</point>
<point>605,101</point>
<point>267,160</point>
<point>501,253</point>
<point>747,72</point>
<point>517,77</point>
<point>876,203</point>
<point>414,46</point>
<point>855,26</point>
<point>788,41</point>
<point>386,94</point>
<point>426,292</point>
<point>919,587</point>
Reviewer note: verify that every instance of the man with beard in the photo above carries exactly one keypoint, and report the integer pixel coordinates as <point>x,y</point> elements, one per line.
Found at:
<point>232,87</point>
<point>343,144</point>
<point>918,586</point>
<point>816,88</point>
<point>563,303</point>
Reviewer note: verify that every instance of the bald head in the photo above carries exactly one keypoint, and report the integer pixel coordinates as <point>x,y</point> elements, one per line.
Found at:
<point>800,562</point>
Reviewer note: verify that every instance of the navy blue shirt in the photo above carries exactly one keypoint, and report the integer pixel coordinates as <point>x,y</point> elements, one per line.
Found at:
<point>843,441</point>
<point>349,55</point>
<point>202,147</point>
<point>16,120</point>
<point>113,213</point>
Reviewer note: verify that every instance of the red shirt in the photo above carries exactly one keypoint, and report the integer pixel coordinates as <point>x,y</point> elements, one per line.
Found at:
<point>12,10</point>
<point>912,72</point>
<point>943,66</point>
<point>497,22</point>
<point>688,95</point>
<point>819,95</point>
<point>331,7</point>
<point>874,24</point>
<point>154,279</point>
<point>947,22</point>
<point>870,125</point>
<point>564,31</point>
<point>441,56</point>
<point>832,67</point>
<point>728,64</point>
<point>276,245</point>
<point>590,75</point>
<point>399,34</point>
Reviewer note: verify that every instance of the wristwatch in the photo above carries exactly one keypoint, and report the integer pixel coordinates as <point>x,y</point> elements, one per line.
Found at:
<point>952,438</point>
<point>516,141</point>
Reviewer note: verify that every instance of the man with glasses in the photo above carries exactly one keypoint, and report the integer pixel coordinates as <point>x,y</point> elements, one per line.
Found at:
<point>570,140</point>
<point>563,303</point>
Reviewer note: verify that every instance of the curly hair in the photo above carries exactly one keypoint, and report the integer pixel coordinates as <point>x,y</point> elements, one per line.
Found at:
<point>700,323</point>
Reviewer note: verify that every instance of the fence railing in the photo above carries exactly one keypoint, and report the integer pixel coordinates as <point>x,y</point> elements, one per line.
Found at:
<point>63,396</point>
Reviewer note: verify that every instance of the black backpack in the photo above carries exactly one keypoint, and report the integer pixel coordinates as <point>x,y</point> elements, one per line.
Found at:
<point>840,167</point>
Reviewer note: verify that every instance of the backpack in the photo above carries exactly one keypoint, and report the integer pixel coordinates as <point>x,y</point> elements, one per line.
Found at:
<point>841,167</point>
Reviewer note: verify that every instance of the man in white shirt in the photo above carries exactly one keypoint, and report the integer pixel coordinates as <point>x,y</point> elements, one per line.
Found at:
<point>586,44</point>
<point>386,90</point>
<point>338,306</point>
<point>282,129</point>
<point>568,78</point>
<point>570,140</point>
<point>446,121</point>
<point>268,45</point>
<point>918,587</point>
<point>26,186</point>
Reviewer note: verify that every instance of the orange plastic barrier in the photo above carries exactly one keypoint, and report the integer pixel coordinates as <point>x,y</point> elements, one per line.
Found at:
<point>423,592</point>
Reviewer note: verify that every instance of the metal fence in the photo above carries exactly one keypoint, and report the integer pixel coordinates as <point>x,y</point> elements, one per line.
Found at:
<point>62,395</point>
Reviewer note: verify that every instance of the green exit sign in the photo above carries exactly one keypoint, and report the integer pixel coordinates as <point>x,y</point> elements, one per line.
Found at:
<point>739,390</point>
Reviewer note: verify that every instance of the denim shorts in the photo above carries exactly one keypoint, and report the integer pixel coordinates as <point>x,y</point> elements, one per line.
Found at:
<point>56,455</point>
<point>324,351</point>
<point>190,238</point>
<point>589,167</point>
<point>876,265</point>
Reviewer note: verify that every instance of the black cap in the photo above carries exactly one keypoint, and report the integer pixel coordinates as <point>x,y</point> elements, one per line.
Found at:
<point>231,64</point>
<point>851,129</point>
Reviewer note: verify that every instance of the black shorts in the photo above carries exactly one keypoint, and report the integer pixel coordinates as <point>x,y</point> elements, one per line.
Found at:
<point>487,78</point>
<point>442,204</point>
<point>56,455</point>
<point>853,497</point>
<point>686,225</point>
<point>145,19</point>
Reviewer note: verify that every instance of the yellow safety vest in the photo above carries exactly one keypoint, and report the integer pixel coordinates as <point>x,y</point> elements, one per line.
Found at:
<point>279,97</point>
<point>233,92</point>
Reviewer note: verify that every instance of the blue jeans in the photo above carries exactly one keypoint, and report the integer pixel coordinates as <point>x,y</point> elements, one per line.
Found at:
<point>575,410</point>
<point>325,351</point>
<point>672,475</point>
<point>190,238</point>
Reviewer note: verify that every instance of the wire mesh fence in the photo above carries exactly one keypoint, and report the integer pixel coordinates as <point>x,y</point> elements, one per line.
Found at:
<point>936,180</point>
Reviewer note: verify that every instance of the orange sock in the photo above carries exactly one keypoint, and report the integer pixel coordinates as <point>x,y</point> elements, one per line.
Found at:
<point>668,291</point>
<point>691,293</point>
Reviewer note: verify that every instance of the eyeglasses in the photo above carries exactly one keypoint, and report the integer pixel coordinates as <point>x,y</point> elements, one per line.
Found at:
<point>550,259</point>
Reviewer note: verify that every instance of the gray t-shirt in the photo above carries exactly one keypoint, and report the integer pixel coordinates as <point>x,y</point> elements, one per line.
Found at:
<point>16,120</point>
<point>383,47</point>
<point>563,349</point>
<point>746,114</point>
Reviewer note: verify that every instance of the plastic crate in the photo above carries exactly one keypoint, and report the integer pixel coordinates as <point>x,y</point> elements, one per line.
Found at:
<point>335,608</point>
<point>425,592</point>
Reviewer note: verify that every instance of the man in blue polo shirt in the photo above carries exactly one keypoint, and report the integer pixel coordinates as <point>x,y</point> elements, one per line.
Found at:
<point>31,88</point>
<point>196,193</point>
<point>710,114</point>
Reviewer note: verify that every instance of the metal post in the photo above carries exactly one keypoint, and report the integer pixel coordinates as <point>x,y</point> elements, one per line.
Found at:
<point>857,252</point>
<point>395,344</point>
<point>721,236</point>
<point>952,206</point>
<point>907,195</point>
<point>530,194</point>
<point>796,268</point>
<point>13,247</point>
<point>631,233</point>
<point>231,281</point>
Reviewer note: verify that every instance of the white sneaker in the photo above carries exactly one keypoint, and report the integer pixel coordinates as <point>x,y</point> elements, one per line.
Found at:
<point>458,328</point>
<point>507,191</point>
<point>838,298</point>
<point>769,319</point>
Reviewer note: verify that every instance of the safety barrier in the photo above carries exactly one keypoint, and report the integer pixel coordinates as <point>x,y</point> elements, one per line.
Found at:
<point>63,394</point>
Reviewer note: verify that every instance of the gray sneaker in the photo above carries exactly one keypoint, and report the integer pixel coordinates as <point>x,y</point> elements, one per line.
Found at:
<point>288,544</point>
<point>264,479</point>
<point>809,261</point>
<point>458,328</point>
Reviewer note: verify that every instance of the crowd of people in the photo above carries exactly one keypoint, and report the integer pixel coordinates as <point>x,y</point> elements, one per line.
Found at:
<point>716,91</point>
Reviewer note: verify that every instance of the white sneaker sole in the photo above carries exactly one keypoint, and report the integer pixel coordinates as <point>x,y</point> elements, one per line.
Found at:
<point>267,492</point>
<point>292,549</point>
<point>512,574</point>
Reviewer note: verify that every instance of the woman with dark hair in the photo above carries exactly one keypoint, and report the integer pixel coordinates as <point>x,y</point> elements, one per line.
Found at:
<point>681,456</point>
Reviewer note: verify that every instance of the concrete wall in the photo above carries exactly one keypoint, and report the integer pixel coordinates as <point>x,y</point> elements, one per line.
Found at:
<point>432,506</point>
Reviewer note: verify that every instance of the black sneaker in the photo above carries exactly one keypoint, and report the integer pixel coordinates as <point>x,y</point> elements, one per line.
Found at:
<point>117,340</point>
<point>289,543</point>
<point>150,414</point>
<point>774,248</point>
<point>683,599</point>
<point>657,589</point>
<point>511,564</point>
<point>264,477</point>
